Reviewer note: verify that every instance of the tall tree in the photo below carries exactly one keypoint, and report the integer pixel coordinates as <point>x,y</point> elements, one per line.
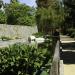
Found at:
<point>48,14</point>
<point>70,8</point>
<point>19,14</point>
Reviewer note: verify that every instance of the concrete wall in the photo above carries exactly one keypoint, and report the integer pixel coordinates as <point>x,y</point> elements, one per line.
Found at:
<point>17,31</point>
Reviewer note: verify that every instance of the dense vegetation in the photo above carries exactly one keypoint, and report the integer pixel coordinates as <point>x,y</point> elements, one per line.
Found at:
<point>68,25</point>
<point>21,59</point>
<point>50,13</point>
<point>69,7</point>
<point>56,14</point>
<point>18,14</point>
<point>3,17</point>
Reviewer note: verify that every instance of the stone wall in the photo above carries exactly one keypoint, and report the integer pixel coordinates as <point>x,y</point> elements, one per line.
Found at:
<point>17,31</point>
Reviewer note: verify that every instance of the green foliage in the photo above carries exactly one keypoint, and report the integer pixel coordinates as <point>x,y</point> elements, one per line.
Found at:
<point>71,32</point>
<point>20,14</point>
<point>44,73</point>
<point>50,16</point>
<point>43,18</point>
<point>39,34</point>
<point>21,59</point>
<point>69,19</point>
<point>26,20</point>
<point>3,17</point>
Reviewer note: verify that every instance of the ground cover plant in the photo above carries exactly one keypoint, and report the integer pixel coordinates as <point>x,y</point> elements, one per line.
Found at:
<point>22,59</point>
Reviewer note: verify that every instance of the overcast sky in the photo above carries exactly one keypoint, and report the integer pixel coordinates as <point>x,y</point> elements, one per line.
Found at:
<point>28,2</point>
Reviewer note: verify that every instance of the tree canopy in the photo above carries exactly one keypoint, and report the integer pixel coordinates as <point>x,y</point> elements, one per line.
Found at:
<point>18,14</point>
<point>49,14</point>
<point>70,8</point>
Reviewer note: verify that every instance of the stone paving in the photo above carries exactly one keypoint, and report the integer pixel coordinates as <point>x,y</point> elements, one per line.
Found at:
<point>66,39</point>
<point>68,55</point>
<point>69,69</point>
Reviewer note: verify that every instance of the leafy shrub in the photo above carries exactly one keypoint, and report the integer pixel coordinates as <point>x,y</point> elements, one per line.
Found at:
<point>70,31</point>
<point>39,34</point>
<point>21,59</point>
<point>20,14</point>
<point>73,34</point>
<point>25,21</point>
<point>3,18</point>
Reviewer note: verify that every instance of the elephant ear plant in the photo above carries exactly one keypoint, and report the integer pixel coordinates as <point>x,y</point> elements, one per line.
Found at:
<point>22,59</point>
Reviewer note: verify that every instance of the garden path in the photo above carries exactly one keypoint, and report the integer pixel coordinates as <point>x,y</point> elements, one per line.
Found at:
<point>68,54</point>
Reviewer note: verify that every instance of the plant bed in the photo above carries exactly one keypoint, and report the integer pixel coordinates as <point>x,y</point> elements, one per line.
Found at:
<point>22,59</point>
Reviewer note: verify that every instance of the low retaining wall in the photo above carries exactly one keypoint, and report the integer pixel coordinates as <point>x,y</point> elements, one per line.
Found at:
<point>56,61</point>
<point>17,31</point>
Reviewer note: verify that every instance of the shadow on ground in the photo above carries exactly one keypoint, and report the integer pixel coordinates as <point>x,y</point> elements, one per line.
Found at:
<point>68,57</point>
<point>69,46</point>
